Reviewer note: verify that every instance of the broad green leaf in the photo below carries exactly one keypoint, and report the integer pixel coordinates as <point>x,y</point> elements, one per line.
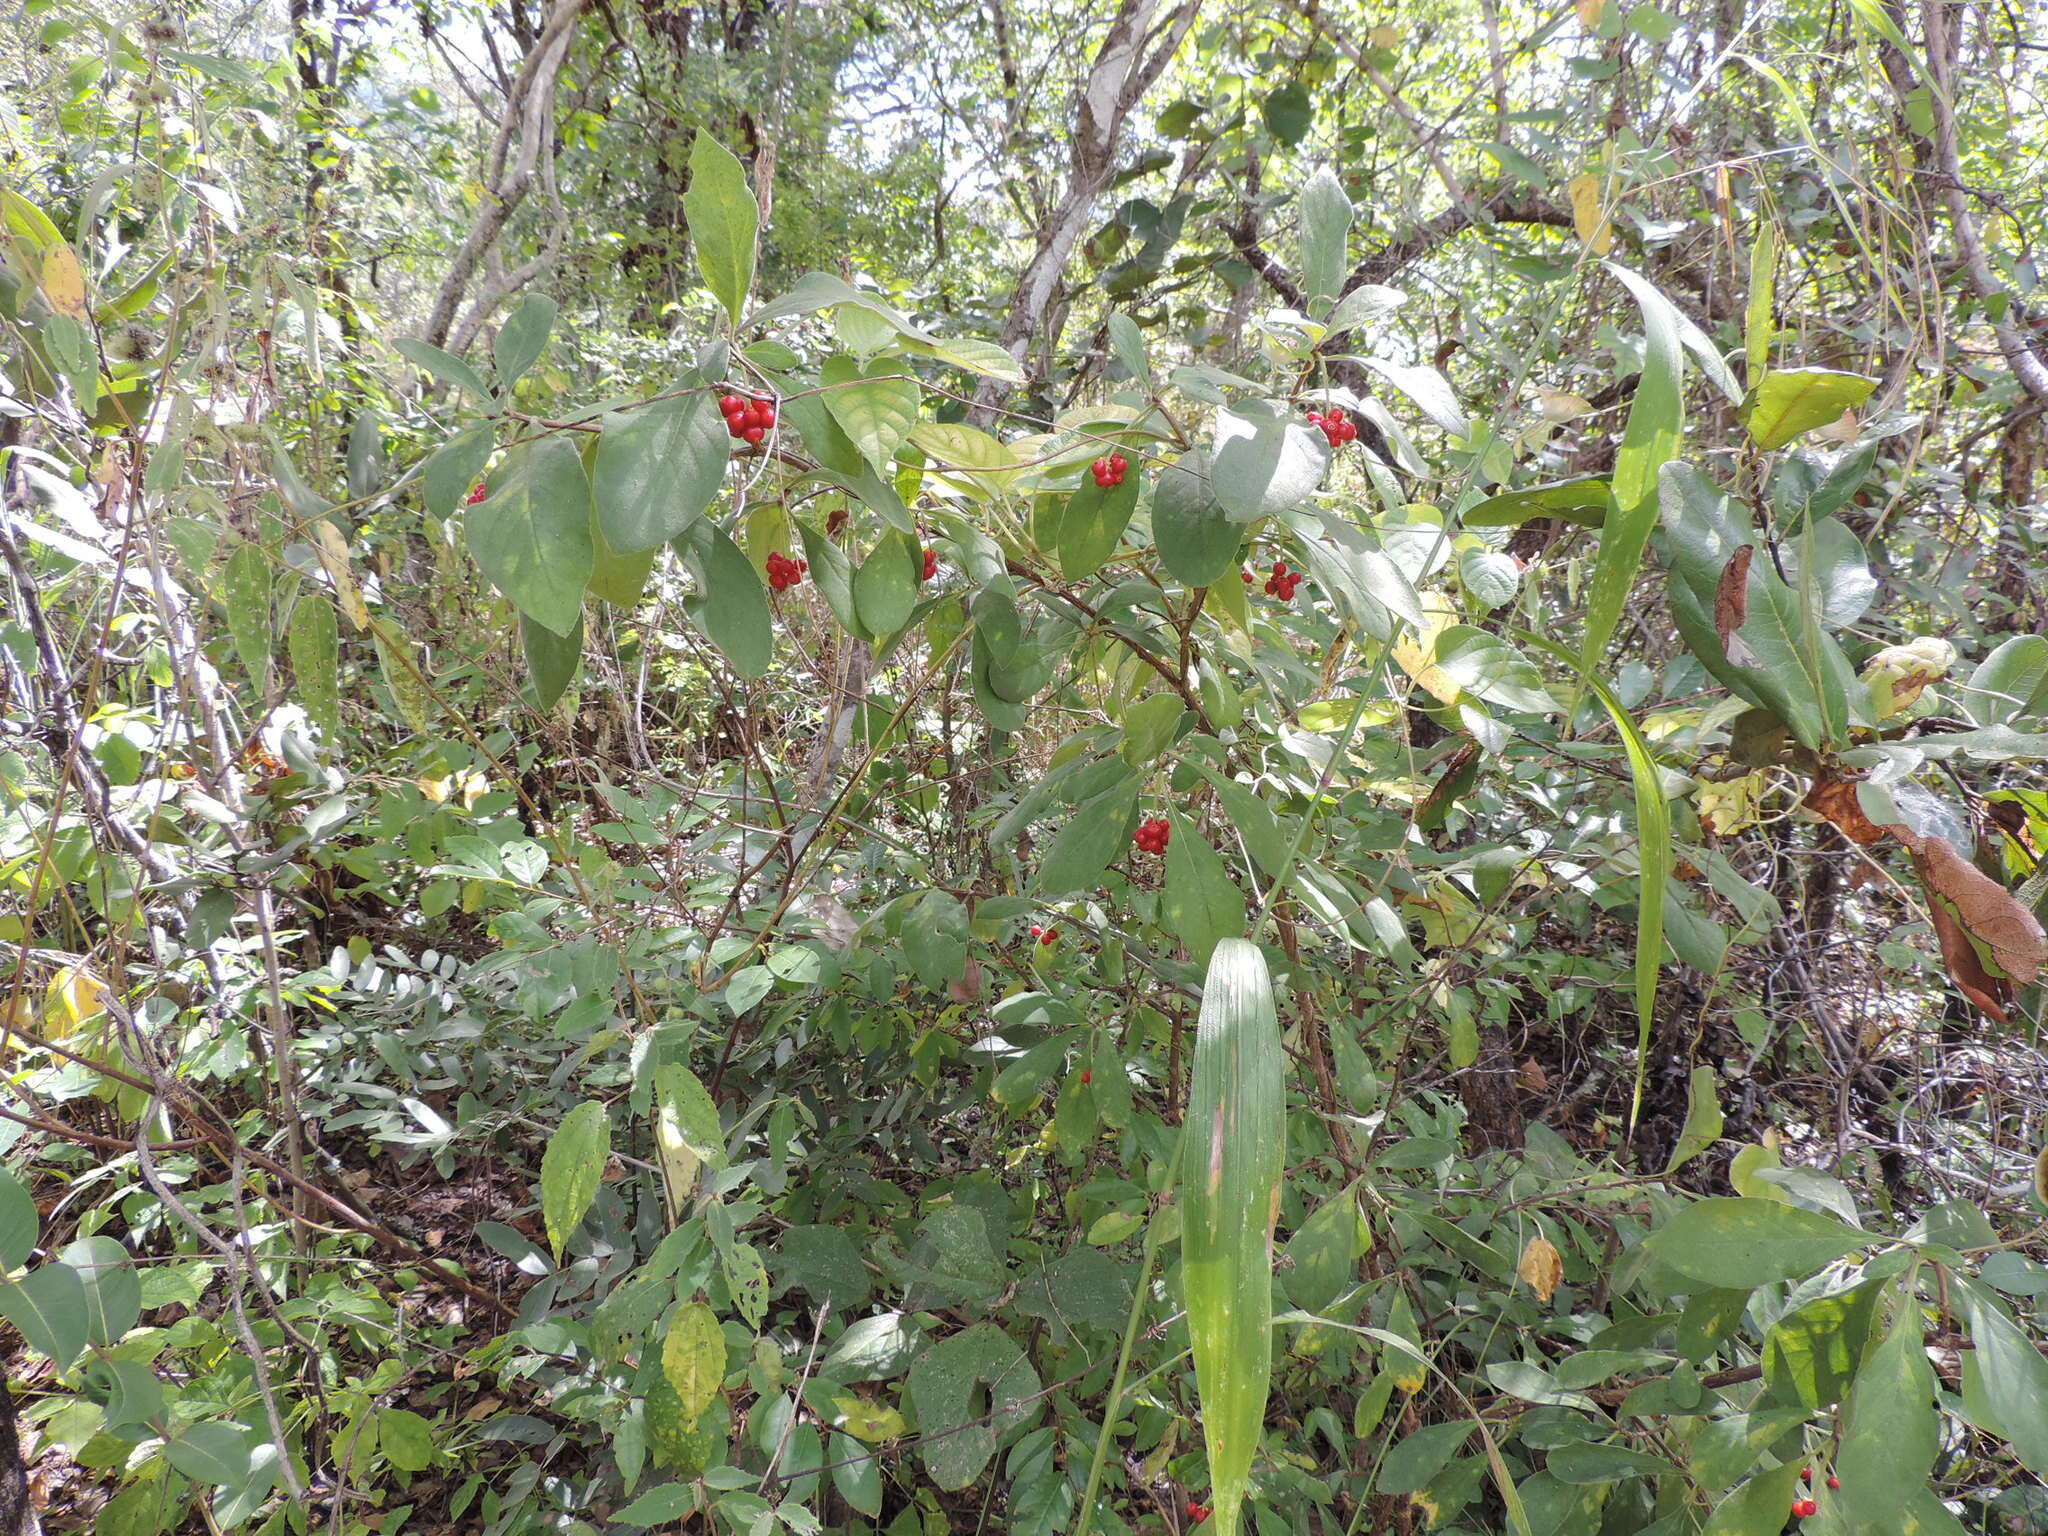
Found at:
<point>723,219</point>
<point>213,1452</point>
<point>1891,1429</point>
<point>1489,577</point>
<point>2011,682</point>
<point>885,586</point>
<point>660,1505</point>
<point>615,578</point>
<point>454,469</point>
<point>1197,541</point>
<point>1739,1243</point>
<point>1098,832</point>
<point>1703,1119</point>
<point>1756,318</point>
<point>2010,1375</point>
<point>972,1392</point>
<point>405,1438</point>
<point>832,574</point>
<point>1203,904</point>
<point>1128,343</point>
<point>522,338</point>
<point>113,1290</point>
<point>1363,305</point>
<point>551,659</point>
<point>50,1307</point>
<point>1288,112</point>
<point>1230,1197</point>
<point>658,467</point>
<point>571,1169</point>
<point>1092,525</point>
<point>1656,423</point>
<point>730,605</point>
<point>1583,500</point>
<point>875,408</point>
<point>20,1223</point>
<point>1420,1455</point>
<point>693,1358</point>
<point>1758,1507</point>
<point>245,589</point>
<point>1149,727</point>
<point>314,643</point>
<point>1787,403</point>
<point>365,454</point>
<point>1253,821</point>
<point>954,445</point>
<point>1326,215</point>
<point>1811,1352</point>
<point>531,534</point>
<point>444,366</point>
<point>1428,388</point>
<point>1266,460</point>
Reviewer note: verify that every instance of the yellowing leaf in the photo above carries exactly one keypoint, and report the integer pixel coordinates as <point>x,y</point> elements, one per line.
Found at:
<point>1584,191</point>
<point>1541,1267</point>
<point>872,1422</point>
<point>1415,653</point>
<point>1590,12</point>
<point>63,284</point>
<point>693,1359</point>
<point>333,552</point>
<point>74,998</point>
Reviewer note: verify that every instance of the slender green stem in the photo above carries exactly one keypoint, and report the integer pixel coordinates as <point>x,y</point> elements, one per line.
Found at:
<point>1115,1403</point>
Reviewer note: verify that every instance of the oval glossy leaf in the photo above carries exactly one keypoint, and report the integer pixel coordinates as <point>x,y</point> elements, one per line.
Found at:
<point>113,1290</point>
<point>571,1169</point>
<point>723,219</point>
<point>444,366</point>
<point>1092,526</point>
<point>1582,500</point>
<point>1230,1198</point>
<point>20,1223</point>
<point>1095,834</point>
<point>1266,460</point>
<point>522,338</point>
<point>730,604</point>
<point>455,467</point>
<point>551,659</point>
<point>658,467</point>
<point>832,573</point>
<point>531,534</point>
<point>1789,402</point>
<point>875,409</point>
<point>1197,541</point>
<point>49,1306</point>
<point>1739,1243</point>
<point>1203,904</point>
<point>693,1359</point>
<point>885,586</point>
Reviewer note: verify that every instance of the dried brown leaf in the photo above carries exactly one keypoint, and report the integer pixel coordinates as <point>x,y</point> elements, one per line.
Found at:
<point>1835,800</point>
<point>1542,1266</point>
<point>1731,606</point>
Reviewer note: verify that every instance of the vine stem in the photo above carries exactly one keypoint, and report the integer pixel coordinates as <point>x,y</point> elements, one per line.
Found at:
<point>1114,1406</point>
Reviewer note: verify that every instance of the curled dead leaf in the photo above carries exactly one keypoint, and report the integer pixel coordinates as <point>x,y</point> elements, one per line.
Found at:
<point>1974,918</point>
<point>1731,606</point>
<point>1541,1266</point>
<point>1835,800</point>
<point>966,987</point>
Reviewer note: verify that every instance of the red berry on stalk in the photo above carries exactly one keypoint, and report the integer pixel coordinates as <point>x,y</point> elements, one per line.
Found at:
<point>1247,575</point>
<point>1036,930</point>
<point>753,435</point>
<point>931,565</point>
<point>1048,936</point>
<point>476,494</point>
<point>1087,1077</point>
<point>1197,1513</point>
<point>1802,1508</point>
<point>730,403</point>
<point>1806,1474</point>
<point>1834,1483</point>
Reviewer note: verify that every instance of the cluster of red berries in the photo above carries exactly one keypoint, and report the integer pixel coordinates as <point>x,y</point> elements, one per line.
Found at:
<point>1197,1513</point>
<point>1044,935</point>
<point>1280,584</point>
<point>1803,1507</point>
<point>783,572</point>
<point>1152,834</point>
<point>1338,428</point>
<point>931,564</point>
<point>1109,472</point>
<point>747,420</point>
<point>476,494</point>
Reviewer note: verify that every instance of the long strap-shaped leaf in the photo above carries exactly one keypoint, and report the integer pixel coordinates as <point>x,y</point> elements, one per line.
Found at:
<point>1231,1189</point>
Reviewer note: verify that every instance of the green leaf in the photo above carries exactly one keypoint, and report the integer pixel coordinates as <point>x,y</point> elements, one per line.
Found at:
<point>405,1438</point>
<point>113,1290</point>
<point>1326,215</point>
<point>1092,525</point>
<point>245,590</point>
<point>365,454</point>
<point>885,586</point>
<point>1758,1507</point>
<point>660,1505</point>
<point>1149,727</point>
<point>1656,423</point>
<point>551,659</point>
<point>832,574</point>
<point>1811,1353</point>
<point>961,1425</point>
<point>730,604</point>
<point>1420,1456</point>
<point>1266,461</point>
<point>1083,848</point>
<point>571,1169</point>
<point>1203,904</point>
<point>213,1452</point>
<point>693,1359</point>
<point>723,219</point>
<point>20,1223</point>
<point>1891,1430</point>
<point>49,1306</point>
<point>444,366</point>
<point>1583,500</point>
<point>1025,1078</point>
<point>1230,1192</point>
<point>1197,541</point>
<point>1756,315</point>
<point>1787,403</point>
<point>615,578</point>
<point>455,467</point>
<point>531,534</point>
<point>658,467</point>
<point>875,408</point>
<point>1128,343</point>
<point>2011,682</point>
<point>522,338</point>
<point>314,643</point>
<point>1490,578</point>
<point>1703,1119</point>
<point>2011,1377</point>
<point>1288,113</point>
<point>1740,1243</point>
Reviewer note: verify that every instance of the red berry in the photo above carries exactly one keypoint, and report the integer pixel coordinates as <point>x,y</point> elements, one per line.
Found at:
<point>1087,1077</point>
<point>1048,936</point>
<point>753,435</point>
<point>1806,1474</point>
<point>476,494</point>
<point>729,403</point>
<point>1197,1513</point>
<point>1247,575</point>
<point>1802,1508</point>
<point>1834,1483</point>
<point>1036,930</point>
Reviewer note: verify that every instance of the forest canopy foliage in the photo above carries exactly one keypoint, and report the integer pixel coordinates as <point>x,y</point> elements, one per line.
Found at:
<point>1092,767</point>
